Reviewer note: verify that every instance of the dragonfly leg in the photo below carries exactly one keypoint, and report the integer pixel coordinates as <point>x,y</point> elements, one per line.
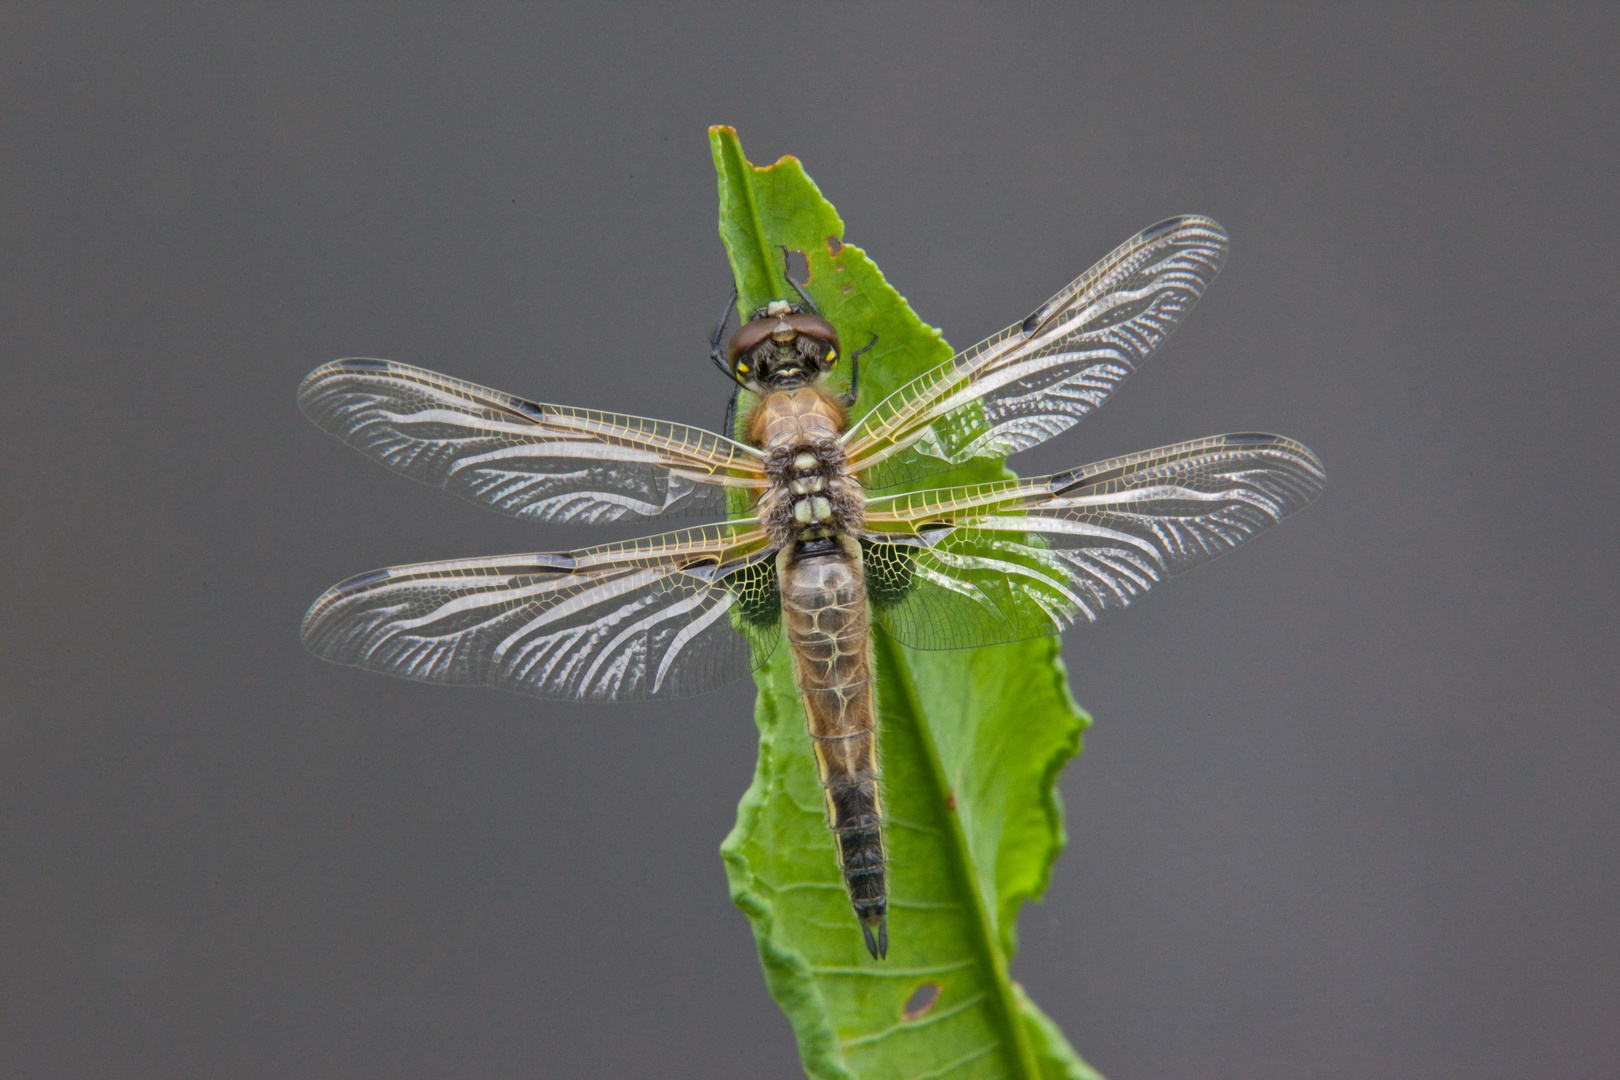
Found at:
<point>855,369</point>
<point>716,353</point>
<point>809,304</point>
<point>728,428</point>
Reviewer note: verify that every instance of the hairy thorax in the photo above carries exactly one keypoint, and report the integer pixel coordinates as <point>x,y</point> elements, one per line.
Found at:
<point>812,492</point>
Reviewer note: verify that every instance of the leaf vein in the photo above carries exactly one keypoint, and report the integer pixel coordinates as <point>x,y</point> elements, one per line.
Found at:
<point>952,1066</point>
<point>934,1016</point>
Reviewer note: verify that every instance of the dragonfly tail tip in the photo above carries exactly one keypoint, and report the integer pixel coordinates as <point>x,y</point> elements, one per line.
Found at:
<point>877,945</point>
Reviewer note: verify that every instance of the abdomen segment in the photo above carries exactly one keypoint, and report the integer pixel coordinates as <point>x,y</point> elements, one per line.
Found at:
<point>825,616</point>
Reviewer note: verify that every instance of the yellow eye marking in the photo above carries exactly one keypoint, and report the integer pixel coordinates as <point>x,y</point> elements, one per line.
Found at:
<point>832,356</point>
<point>742,369</point>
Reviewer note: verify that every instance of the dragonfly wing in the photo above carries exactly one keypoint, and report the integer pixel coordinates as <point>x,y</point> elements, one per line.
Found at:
<point>541,462</point>
<point>661,617</point>
<point>975,565</point>
<point>1037,378</point>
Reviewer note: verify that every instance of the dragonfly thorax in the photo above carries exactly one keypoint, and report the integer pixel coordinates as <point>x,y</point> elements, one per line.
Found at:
<point>812,492</point>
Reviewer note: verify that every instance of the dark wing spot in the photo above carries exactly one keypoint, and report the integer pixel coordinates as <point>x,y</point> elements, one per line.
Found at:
<point>1035,319</point>
<point>360,581</point>
<point>1064,483</point>
<point>704,569</point>
<point>527,408</point>
<point>1167,225</point>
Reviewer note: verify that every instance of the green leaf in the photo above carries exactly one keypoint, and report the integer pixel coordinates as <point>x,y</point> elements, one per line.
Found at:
<point>972,742</point>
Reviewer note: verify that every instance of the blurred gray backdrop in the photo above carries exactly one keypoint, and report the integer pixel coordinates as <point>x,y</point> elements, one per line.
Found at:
<point>1350,805</point>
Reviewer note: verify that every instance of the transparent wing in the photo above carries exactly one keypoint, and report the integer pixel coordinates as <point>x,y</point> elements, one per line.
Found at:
<point>969,566</point>
<point>660,617</point>
<point>543,462</point>
<point>1038,377</point>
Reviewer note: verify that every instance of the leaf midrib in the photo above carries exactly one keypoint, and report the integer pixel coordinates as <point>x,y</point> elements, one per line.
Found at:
<point>989,948</point>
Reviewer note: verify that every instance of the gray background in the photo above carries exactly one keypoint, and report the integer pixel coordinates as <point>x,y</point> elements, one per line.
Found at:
<point>1349,808</point>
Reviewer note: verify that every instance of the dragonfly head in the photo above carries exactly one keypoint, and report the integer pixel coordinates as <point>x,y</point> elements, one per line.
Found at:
<point>782,347</point>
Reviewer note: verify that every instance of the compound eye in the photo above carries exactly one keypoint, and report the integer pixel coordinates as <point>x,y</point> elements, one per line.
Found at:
<point>742,367</point>
<point>832,357</point>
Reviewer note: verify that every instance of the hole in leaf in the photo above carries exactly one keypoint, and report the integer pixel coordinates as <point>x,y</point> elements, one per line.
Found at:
<point>798,266</point>
<point>849,288</point>
<point>834,245</point>
<point>921,1000</point>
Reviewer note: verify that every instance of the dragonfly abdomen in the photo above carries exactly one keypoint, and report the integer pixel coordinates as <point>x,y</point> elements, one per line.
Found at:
<point>825,616</point>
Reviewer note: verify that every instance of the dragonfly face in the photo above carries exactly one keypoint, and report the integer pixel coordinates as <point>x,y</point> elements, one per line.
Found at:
<point>827,554</point>
<point>782,347</point>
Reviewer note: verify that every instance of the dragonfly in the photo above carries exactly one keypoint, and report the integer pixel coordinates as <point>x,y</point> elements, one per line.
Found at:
<point>832,549</point>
